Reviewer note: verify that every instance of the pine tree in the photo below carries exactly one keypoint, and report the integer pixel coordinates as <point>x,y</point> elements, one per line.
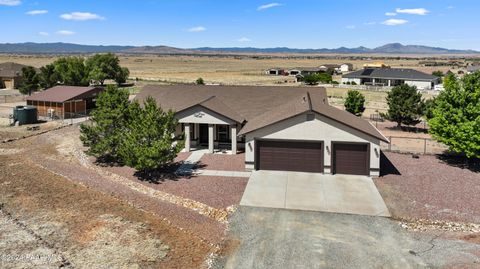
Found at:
<point>30,81</point>
<point>108,124</point>
<point>150,141</point>
<point>355,103</point>
<point>405,105</point>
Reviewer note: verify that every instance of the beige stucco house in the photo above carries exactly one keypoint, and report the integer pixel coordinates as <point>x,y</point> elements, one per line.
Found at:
<point>278,128</point>
<point>10,75</point>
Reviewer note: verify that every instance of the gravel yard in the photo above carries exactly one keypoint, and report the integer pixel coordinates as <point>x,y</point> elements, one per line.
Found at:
<point>224,162</point>
<point>429,188</point>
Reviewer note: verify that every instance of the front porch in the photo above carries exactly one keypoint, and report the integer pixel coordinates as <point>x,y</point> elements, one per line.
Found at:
<point>217,138</point>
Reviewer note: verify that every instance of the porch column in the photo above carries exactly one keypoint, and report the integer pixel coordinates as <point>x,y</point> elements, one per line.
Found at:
<point>389,82</point>
<point>187,137</point>
<point>210,138</point>
<point>234,138</point>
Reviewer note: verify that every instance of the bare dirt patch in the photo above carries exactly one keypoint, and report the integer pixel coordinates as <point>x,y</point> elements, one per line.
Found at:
<point>430,188</point>
<point>90,229</point>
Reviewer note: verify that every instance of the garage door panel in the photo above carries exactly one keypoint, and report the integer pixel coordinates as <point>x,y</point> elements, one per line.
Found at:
<point>290,156</point>
<point>351,159</point>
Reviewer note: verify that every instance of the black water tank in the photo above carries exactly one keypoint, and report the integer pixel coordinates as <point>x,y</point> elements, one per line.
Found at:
<point>25,114</point>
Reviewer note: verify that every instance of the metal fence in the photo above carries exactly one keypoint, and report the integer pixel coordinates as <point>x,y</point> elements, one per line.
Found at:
<point>413,145</point>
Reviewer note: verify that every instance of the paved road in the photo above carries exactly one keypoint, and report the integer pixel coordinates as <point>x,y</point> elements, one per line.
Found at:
<point>279,238</point>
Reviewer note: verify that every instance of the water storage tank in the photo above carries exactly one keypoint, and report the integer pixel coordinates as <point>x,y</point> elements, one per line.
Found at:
<point>25,114</point>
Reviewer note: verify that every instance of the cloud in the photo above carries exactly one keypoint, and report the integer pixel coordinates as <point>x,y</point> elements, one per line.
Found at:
<point>43,33</point>
<point>267,6</point>
<point>10,2</point>
<point>393,22</point>
<point>36,12</point>
<point>244,39</point>
<point>350,27</point>
<point>413,11</point>
<point>81,16</point>
<point>65,32</point>
<point>370,23</point>
<point>197,29</point>
<point>390,14</point>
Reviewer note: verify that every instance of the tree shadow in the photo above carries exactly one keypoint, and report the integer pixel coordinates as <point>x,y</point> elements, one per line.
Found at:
<point>386,166</point>
<point>108,161</point>
<point>166,172</point>
<point>410,129</point>
<point>460,162</point>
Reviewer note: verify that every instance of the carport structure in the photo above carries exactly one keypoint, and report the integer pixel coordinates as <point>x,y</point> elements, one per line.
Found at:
<point>64,101</point>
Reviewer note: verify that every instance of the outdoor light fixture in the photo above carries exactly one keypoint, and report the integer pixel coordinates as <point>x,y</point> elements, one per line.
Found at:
<point>250,146</point>
<point>376,152</point>
<point>328,150</point>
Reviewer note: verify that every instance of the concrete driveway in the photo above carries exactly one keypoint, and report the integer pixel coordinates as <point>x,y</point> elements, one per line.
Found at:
<point>314,192</point>
<point>277,238</point>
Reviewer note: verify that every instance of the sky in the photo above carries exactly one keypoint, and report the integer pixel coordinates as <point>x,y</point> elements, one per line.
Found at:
<point>244,23</point>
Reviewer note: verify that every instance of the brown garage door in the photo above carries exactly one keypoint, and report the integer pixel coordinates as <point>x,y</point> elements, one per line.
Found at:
<point>290,156</point>
<point>350,159</point>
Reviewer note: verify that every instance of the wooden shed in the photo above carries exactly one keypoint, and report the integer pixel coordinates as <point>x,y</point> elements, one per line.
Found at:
<point>64,101</point>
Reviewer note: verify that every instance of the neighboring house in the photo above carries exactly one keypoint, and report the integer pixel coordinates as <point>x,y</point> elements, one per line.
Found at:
<point>279,128</point>
<point>304,71</point>
<point>64,101</point>
<point>345,68</point>
<point>276,72</point>
<point>391,77</point>
<point>472,69</point>
<point>10,75</point>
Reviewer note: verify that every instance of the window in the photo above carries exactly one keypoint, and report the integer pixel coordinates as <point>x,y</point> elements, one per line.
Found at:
<point>222,133</point>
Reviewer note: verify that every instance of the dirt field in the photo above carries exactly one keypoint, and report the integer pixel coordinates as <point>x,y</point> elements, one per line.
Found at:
<point>226,70</point>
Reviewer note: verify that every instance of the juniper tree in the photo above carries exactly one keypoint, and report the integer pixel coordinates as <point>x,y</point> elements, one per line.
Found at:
<point>355,103</point>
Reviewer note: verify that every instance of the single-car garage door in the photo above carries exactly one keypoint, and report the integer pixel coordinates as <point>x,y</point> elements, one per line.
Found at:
<point>289,156</point>
<point>350,159</point>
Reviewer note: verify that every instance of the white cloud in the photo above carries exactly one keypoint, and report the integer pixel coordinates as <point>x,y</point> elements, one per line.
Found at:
<point>43,33</point>
<point>413,11</point>
<point>390,14</point>
<point>10,2</point>
<point>65,32</point>
<point>197,29</point>
<point>81,16</point>
<point>267,6</point>
<point>244,39</point>
<point>370,23</point>
<point>36,12</point>
<point>393,22</point>
<point>350,27</point>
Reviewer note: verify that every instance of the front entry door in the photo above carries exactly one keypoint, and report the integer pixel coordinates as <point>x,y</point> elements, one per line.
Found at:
<point>203,134</point>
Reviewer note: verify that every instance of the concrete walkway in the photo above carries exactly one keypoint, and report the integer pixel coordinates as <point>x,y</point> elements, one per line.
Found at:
<point>187,168</point>
<point>314,192</point>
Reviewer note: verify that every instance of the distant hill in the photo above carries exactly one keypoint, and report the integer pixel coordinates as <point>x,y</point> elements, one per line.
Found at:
<point>393,48</point>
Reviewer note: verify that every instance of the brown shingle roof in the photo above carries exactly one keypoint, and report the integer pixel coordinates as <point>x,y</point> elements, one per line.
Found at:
<point>62,94</point>
<point>11,70</point>
<point>259,106</point>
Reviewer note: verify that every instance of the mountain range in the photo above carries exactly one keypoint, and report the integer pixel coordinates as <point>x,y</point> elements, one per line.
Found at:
<point>66,48</point>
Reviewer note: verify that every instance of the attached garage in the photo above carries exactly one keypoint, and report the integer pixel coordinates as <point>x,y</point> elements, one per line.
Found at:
<point>350,158</point>
<point>284,155</point>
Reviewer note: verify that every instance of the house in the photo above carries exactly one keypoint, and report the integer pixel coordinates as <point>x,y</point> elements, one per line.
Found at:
<point>10,75</point>
<point>391,77</point>
<point>472,69</point>
<point>305,71</point>
<point>344,68</point>
<point>64,101</point>
<point>278,128</point>
<point>276,71</point>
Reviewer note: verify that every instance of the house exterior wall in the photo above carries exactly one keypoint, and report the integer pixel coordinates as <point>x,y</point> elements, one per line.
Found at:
<point>319,129</point>
<point>356,80</point>
<point>201,115</point>
<point>421,85</point>
<point>345,68</point>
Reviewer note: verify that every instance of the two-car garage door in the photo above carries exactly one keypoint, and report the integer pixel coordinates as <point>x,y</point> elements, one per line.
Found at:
<point>307,156</point>
<point>289,156</point>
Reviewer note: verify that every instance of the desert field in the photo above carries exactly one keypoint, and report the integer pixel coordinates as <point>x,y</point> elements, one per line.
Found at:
<point>225,69</point>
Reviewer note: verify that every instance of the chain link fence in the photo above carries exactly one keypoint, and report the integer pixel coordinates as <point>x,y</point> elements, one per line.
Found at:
<point>413,145</point>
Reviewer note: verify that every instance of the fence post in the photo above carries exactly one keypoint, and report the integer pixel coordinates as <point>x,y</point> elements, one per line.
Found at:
<point>390,144</point>
<point>425,146</point>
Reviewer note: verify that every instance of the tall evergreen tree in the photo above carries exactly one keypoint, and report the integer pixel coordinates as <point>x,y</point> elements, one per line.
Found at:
<point>150,141</point>
<point>405,105</point>
<point>355,103</point>
<point>47,77</point>
<point>108,124</point>
<point>30,81</point>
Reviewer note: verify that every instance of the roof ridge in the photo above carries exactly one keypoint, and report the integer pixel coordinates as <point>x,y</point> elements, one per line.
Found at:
<point>208,99</point>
